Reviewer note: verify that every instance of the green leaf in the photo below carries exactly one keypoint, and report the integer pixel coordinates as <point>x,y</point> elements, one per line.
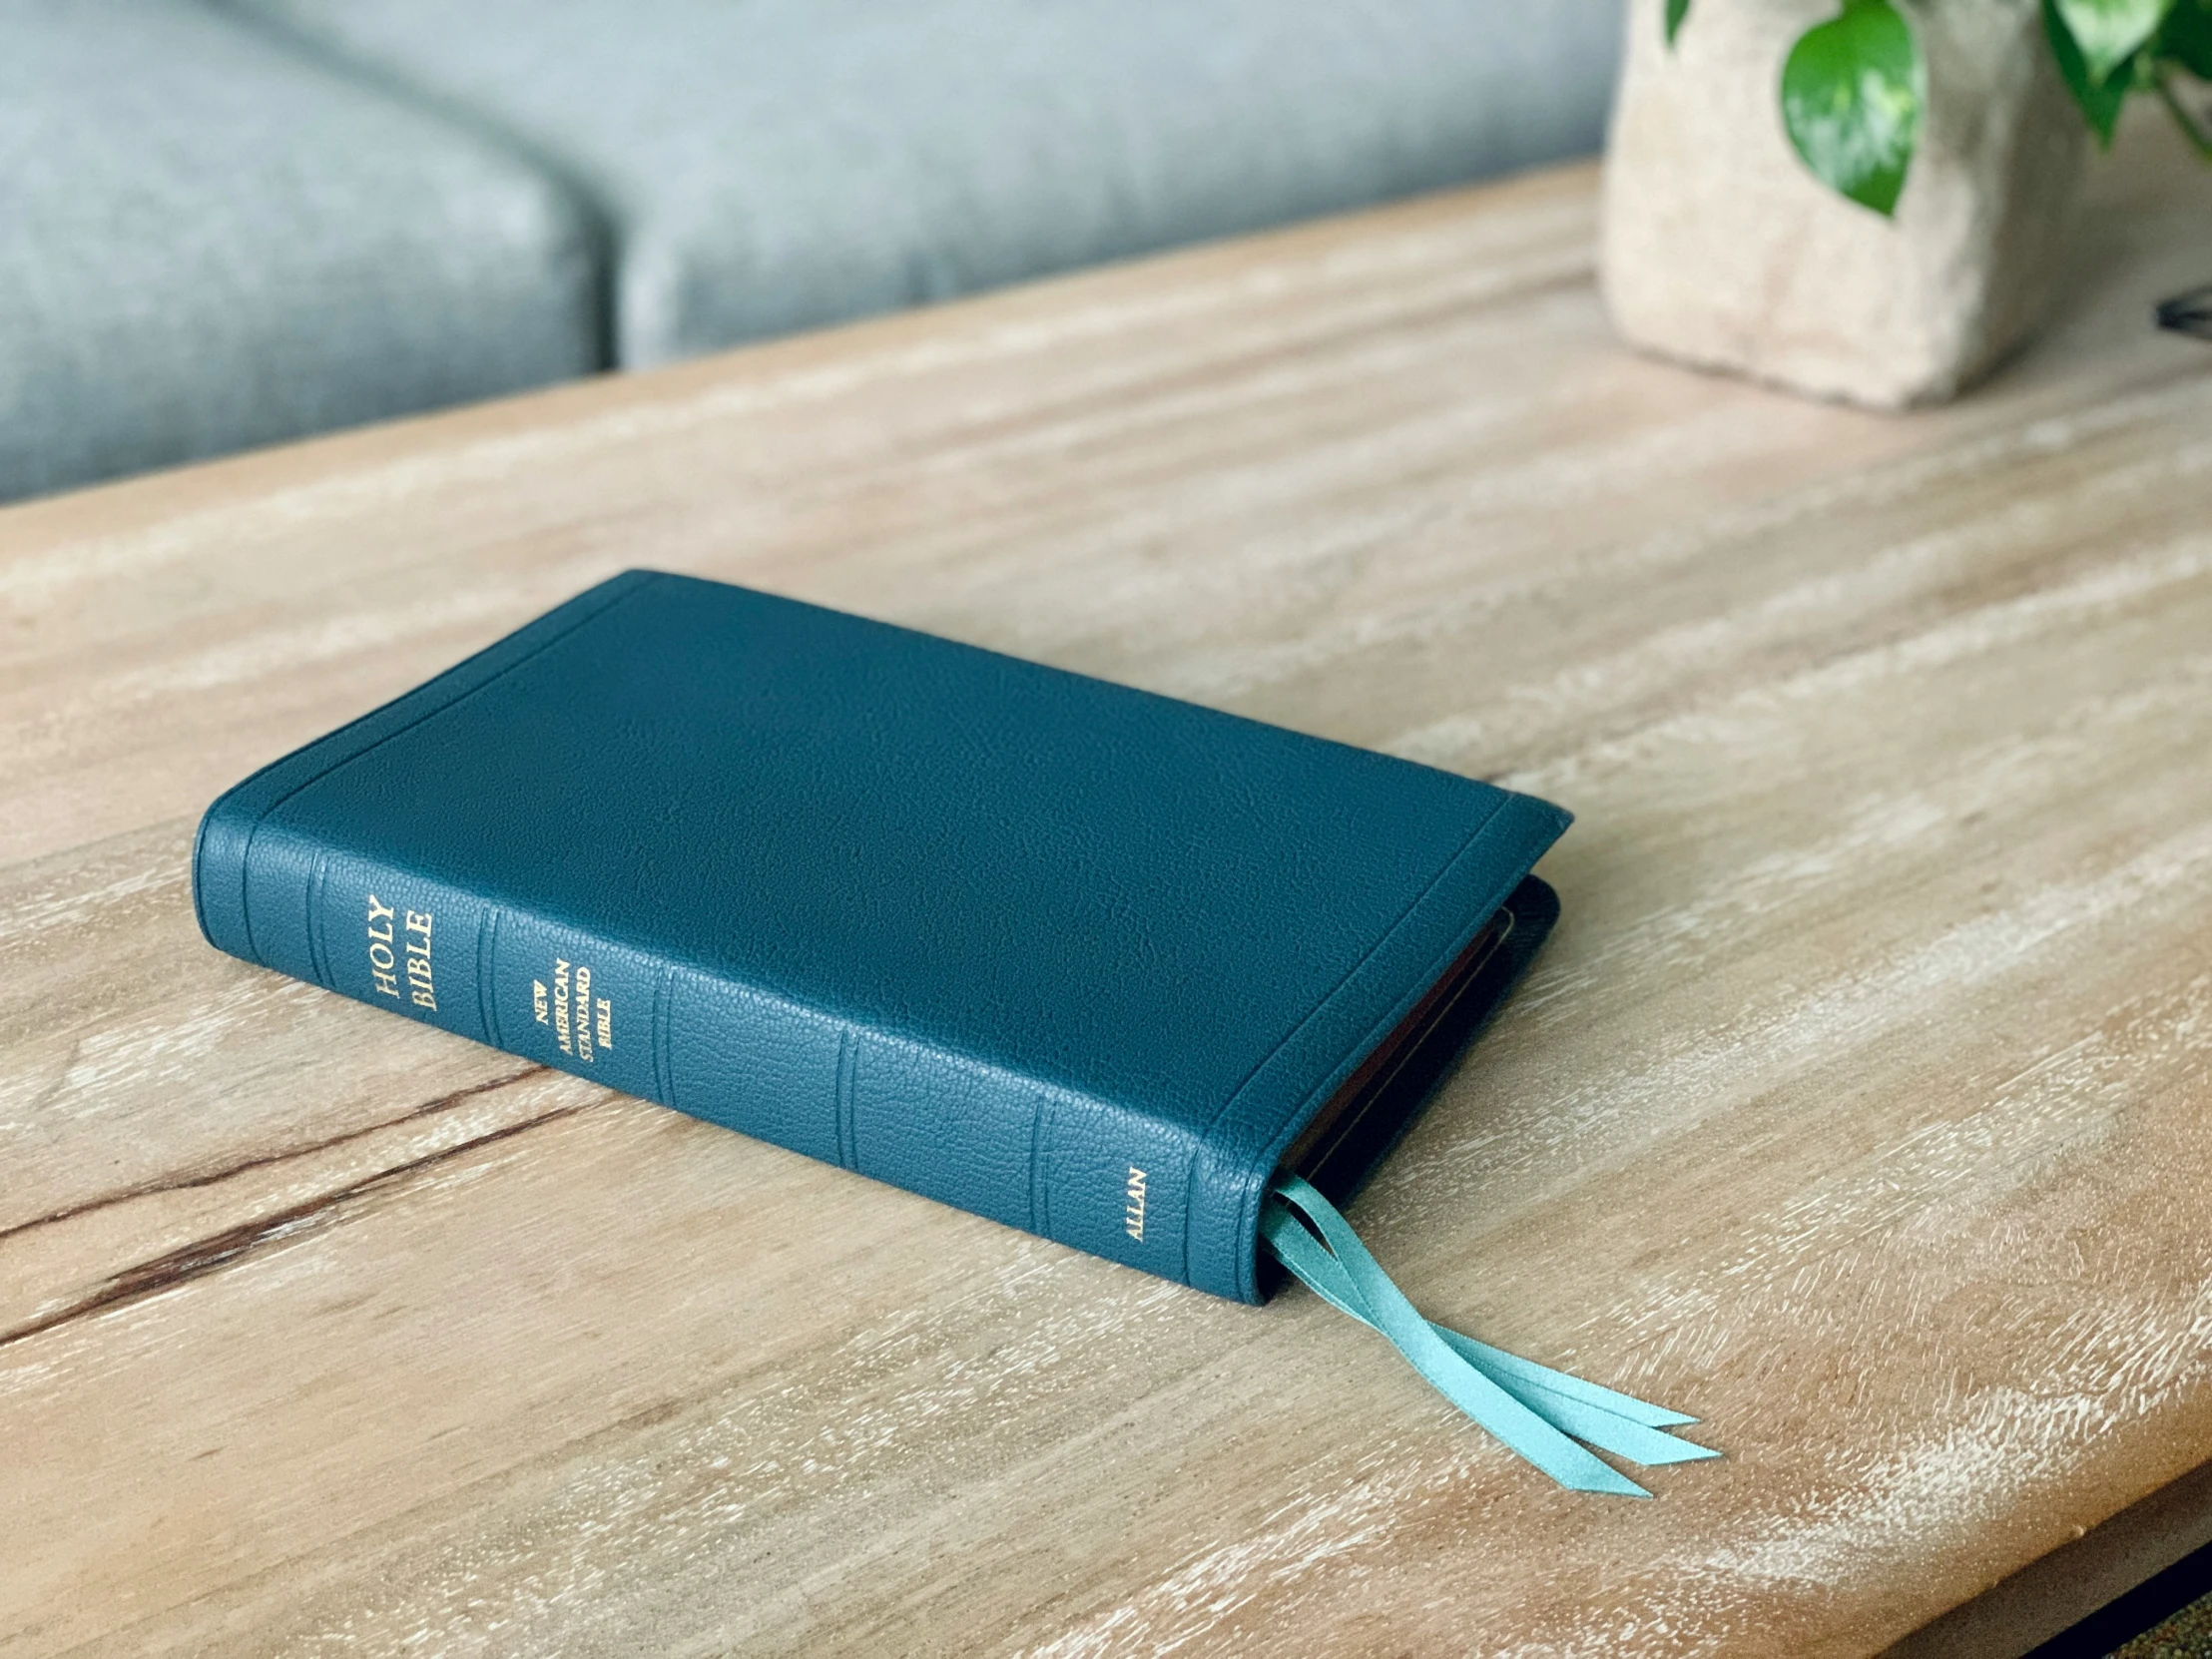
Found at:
<point>2196,131</point>
<point>1677,10</point>
<point>2100,101</point>
<point>1853,91</point>
<point>2186,37</point>
<point>2108,31</point>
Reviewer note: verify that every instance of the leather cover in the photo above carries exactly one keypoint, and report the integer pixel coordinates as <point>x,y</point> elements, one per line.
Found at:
<point>1072,956</point>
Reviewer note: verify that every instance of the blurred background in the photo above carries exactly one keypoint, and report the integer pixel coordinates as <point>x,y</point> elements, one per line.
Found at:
<point>225,223</point>
<point>228,223</point>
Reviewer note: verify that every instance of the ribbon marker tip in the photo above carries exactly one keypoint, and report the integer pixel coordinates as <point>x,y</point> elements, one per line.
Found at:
<point>1539,1414</point>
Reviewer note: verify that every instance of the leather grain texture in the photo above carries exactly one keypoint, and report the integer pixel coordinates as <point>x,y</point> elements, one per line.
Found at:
<point>1073,956</point>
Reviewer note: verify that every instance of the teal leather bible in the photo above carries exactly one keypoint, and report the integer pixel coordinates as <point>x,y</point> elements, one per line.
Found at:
<point>1087,962</point>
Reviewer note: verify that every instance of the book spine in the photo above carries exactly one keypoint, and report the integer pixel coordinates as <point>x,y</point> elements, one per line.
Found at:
<point>1018,1150</point>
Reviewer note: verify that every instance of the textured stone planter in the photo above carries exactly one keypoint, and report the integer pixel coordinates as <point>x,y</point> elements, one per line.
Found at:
<point>1720,249</point>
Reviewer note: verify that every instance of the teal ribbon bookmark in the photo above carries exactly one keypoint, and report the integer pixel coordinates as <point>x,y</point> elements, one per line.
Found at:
<point>1537,1412</point>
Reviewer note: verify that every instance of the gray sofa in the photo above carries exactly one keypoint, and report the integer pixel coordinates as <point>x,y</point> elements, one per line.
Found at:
<point>224,223</point>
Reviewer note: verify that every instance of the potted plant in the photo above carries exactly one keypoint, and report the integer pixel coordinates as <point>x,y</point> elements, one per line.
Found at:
<point>1867,203</point>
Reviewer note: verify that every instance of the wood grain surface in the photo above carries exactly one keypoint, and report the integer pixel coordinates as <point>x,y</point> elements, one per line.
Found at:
<point>1859,1105</point>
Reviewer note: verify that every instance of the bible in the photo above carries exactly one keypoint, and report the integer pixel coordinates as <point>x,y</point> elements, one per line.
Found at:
<point>1100,964</point>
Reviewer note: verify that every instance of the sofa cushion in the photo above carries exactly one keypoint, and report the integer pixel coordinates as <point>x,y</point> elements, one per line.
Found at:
<point>206,242</point>
<point>768,165</point>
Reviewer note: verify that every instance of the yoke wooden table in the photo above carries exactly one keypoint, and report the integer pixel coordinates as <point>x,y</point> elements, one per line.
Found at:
<point>1859,1104</point>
